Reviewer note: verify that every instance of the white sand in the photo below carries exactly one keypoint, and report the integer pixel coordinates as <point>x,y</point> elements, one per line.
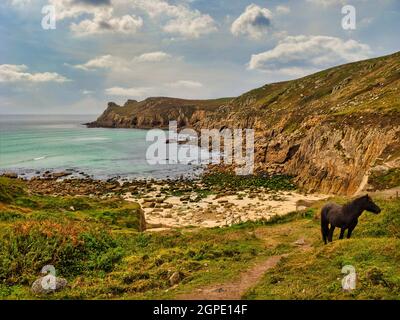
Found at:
<point>214,211</point>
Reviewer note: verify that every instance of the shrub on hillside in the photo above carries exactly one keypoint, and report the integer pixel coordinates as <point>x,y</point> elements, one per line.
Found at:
<point>9,189</point>
<point>73,249</point>
<point>387,223</point>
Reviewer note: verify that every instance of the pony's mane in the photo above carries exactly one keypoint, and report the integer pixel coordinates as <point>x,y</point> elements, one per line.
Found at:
<point>350,204</point>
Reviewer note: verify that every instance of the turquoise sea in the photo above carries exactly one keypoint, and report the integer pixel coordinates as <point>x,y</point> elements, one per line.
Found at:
<point>30,144</point>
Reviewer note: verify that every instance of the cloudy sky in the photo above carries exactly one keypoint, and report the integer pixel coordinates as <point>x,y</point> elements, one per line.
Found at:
<point>112,50</point>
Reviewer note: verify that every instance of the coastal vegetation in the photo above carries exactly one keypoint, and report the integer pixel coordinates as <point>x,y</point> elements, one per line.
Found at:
<point>99,247</point>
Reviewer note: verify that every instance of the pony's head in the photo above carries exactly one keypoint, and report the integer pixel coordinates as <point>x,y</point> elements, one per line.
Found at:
<point>369,205</point>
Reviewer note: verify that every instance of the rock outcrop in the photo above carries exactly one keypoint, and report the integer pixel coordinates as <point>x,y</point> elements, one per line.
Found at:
<point>329,129</point>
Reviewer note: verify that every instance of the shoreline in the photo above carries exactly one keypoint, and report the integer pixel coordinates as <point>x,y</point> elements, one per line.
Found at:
<point>76,173</point>
<point>200,202</point>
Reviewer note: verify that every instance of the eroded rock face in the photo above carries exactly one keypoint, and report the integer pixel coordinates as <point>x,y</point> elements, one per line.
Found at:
<point>326,155</point>
<point>336,160</point>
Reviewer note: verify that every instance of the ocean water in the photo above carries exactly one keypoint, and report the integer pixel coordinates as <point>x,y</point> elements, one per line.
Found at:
<point>32,144</point>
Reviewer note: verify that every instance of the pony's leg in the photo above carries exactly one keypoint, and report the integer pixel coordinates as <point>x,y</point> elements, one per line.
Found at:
<point>349,232</point>
<point>330,235</point>
<point>342,230</point>
<point>324,230</point>
<point>324,237</point>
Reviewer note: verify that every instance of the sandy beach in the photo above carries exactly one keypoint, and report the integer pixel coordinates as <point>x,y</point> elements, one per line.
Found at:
<point>217,210</point>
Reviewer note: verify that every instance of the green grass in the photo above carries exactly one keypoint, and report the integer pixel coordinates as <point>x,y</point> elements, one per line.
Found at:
<point>9,189</point>
<point>316,273</point>
<point>75,234</point>
<point>199,257</point>
<point>74,249</point>
<point>226,180</point>
<point>103,256</point>
<point>386,180</point>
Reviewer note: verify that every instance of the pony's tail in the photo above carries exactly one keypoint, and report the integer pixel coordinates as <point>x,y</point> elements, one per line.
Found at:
<point>324,225</point>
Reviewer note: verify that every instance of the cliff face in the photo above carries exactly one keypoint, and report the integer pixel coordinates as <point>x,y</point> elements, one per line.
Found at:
<point>331,129</point>
<point>331,156</point>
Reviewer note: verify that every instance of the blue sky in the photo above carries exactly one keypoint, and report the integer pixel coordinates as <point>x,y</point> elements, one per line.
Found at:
<point>112,50</point>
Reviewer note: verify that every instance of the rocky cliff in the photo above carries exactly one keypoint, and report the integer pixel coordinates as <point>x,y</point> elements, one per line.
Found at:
<point>331,129</point>
<point>156,113</point>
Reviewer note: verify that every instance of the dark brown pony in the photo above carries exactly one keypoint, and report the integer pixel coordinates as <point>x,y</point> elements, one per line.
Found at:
<point>344,217</point>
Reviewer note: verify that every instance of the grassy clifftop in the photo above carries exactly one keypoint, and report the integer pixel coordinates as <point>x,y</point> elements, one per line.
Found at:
<point>370,86</point>
<point>156,112</point>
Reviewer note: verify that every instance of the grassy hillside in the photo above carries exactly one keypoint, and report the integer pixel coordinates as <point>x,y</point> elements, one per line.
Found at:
<point>365,87</point>
<point>165,103</point>
<point>96,245</point>
<point>316,273</point>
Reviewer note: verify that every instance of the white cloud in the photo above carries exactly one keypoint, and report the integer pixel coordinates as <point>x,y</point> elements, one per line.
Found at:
<point>101,20</point>
<point>138,92</point>
<point>87,92</point>
<point>181,19</point>
<point>120,64</point>
<point>282,10</point>
<point>18,73</point>
<point>191,26</point>
<point>254,22</point>
<point>66,9</point>
<point>102,62</point>
<point>156,56</point>
<point>101,24</point>
<point>189,84</point>
<point>309,53</point>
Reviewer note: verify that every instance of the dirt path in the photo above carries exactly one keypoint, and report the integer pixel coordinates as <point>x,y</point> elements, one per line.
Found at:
<point>234,290</point>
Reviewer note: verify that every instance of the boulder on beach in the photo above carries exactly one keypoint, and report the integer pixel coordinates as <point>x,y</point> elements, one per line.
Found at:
<point>11,175</point>
<point>57,175</point>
